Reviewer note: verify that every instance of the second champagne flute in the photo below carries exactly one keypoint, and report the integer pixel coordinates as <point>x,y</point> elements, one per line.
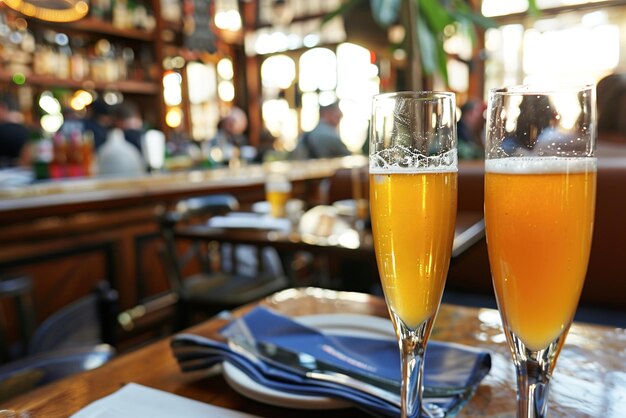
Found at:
<point>540,185</point>
<point>413,195</point>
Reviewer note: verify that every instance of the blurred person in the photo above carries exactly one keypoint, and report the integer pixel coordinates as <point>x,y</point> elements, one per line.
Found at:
<point>128,119</point>
<point>98,120</point>
<point>266,146</point>
<point>230,138</point>
<point>611,99</point>
<point>324,140</point>
<point>14,135</point>
<point>611,111</point>
<point>470,130</point>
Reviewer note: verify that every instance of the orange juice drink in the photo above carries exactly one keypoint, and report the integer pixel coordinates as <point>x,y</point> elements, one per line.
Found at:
<point>277,193</point>
<point>413,217</point>
<point>539,217</point>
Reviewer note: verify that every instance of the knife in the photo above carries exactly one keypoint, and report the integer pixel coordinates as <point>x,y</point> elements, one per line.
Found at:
<point>308,366</point>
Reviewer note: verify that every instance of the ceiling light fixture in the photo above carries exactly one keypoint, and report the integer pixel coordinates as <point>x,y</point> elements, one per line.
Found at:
<point>51,10</point>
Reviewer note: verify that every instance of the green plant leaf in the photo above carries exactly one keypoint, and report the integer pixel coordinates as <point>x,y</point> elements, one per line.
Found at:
<point>462,11</point>
<point>385,12</point>
<point>442,61</point>
<point>533,9</point>
<point>435,15</point>
<point>341,10</point>
<point>427,46</point>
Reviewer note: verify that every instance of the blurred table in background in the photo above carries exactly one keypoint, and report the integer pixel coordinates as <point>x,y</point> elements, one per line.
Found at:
<point>323,233</point>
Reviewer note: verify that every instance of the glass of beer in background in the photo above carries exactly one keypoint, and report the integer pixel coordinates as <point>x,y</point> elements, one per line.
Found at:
<point>277,193</point>
<point>413,195</point>
<point>540,188</point>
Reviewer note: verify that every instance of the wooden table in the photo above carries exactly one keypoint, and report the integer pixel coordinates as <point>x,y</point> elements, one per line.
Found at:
<point>590,379</point>
<point>470,228</point>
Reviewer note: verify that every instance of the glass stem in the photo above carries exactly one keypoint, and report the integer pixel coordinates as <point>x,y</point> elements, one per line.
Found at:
<point>412,352</point>
<point>533,382</point>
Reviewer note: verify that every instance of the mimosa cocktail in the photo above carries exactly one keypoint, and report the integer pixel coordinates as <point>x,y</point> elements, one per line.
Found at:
<point>413,189</point>
<point>539,247</point>
<point>540,190</point>
<point>413,217</point>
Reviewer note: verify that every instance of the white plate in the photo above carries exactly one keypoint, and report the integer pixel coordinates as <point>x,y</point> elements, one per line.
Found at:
<point>345,324</point>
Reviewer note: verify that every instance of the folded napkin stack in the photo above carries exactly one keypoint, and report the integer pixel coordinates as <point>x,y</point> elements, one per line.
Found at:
<point>446,365</point>
<point>250,221</point>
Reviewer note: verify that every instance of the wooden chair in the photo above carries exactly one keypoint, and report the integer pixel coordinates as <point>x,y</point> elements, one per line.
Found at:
<point>89,321</point>
<point>77,337</point>
<point>229,275</point>
<point>17,291</point>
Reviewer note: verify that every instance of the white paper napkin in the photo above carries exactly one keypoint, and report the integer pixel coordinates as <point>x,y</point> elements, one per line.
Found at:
<point>139,401</point>
<point>253,222</point>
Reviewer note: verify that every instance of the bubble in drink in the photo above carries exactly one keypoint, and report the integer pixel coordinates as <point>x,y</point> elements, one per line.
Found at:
<point>539,216</point>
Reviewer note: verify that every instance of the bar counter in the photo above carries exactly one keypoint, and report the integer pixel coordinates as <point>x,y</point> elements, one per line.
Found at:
<point>17,203</point>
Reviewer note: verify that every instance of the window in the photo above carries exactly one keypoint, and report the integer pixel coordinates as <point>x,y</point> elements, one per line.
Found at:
<point>573,46</point>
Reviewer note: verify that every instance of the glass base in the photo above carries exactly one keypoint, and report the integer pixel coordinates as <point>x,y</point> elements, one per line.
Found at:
<point>412,344</point>
<point>534,371</point>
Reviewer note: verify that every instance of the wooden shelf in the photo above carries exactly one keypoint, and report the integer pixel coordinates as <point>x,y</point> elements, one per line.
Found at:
<point>104,28</point>
<point>125,86</point>
<point>88,25</point>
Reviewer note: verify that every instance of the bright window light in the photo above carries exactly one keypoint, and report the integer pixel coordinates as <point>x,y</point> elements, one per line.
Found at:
<point>49,104</point>
<point>51,123</point>
<point>318,70</point>
<point>278,71</point>
<point>556,55</point>
<point>501,8</point>
<point>310,111</point>
<point>174,117</point>
<point>225,69</point>
<point>172,91</point>
<point>226,91</point>
<point>358,83</point>
<point>201,82</point>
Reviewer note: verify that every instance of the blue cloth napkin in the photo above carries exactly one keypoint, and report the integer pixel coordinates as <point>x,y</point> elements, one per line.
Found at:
<point>446,365</point>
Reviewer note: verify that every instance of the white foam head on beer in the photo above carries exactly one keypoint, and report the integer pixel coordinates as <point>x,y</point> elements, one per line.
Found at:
<point>401,160</point>
<point>540,165</point>
<point>277,183</point>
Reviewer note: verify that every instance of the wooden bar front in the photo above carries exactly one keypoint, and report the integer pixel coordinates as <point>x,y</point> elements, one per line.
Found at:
<point>69,235</point>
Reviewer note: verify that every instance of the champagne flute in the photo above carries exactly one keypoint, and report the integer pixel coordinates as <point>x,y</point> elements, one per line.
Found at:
<point>540,186</point>
<point>413,194</point>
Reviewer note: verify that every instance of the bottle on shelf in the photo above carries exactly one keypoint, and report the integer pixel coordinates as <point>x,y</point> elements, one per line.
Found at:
<point>59,156</point>
<point>41,155</point>
<point>88,160</point>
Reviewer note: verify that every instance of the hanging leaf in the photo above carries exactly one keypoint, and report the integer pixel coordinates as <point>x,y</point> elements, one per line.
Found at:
<point>341,10</point>
<point>385,12</point>
<point>463,12</point>
<point>427,46</point>
<point>442,62</point>
<point>435,15</point>
<point>533,9</point>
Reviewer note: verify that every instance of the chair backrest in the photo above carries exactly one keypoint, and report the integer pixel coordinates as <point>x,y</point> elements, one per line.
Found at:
<point>186,210</point>
<point>343,184</point>
<point>88,321</point>
<point>211,205</point>
<point>17,289</point>
<point>244,259</point>
<point>33,371</point>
